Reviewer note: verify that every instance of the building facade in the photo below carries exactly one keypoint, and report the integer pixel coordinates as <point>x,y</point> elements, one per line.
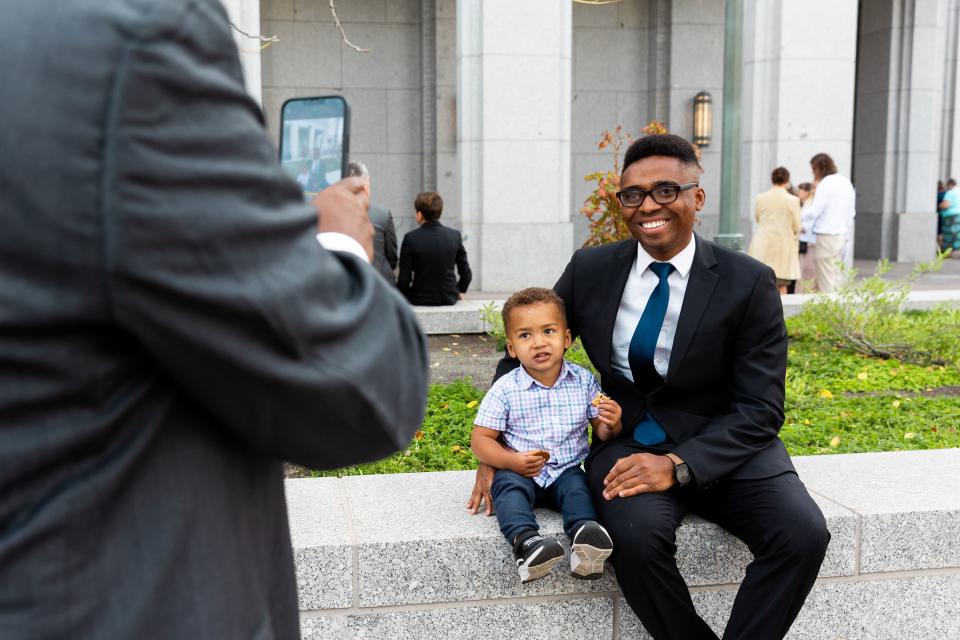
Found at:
<point>499,105</point>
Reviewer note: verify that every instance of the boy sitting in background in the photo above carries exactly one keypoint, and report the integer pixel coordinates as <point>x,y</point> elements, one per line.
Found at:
<point>542,409</point>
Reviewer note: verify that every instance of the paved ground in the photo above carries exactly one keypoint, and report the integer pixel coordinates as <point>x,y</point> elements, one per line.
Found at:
<point>469,355</point>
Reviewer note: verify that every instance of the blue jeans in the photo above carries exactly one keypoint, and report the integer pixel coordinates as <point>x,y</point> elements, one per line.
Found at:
<point>514,498</point>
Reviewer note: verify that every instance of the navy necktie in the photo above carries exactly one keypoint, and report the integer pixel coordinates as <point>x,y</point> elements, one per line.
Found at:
<point>642,347</point>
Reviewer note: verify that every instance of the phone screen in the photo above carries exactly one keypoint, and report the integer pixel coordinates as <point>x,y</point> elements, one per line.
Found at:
<point>314,141</point>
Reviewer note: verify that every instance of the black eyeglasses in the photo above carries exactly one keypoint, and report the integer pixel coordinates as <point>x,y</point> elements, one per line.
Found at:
<point>663,194</point>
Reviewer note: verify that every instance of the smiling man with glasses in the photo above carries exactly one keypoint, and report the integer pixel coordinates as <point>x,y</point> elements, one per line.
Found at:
<point>689,339</point>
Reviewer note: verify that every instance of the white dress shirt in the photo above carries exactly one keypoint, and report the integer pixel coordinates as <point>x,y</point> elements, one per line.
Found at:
<point>334,241</point>
<point>640,285</point>
<point>834,206</point>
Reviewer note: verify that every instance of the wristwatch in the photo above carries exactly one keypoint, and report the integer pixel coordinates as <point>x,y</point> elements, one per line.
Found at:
<point>681,472</point>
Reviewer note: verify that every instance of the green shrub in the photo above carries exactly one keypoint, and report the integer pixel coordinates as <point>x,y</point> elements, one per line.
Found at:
<point>866,316</point>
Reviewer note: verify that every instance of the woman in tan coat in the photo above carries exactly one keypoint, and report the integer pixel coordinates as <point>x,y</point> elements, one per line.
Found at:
<point>776,239</point>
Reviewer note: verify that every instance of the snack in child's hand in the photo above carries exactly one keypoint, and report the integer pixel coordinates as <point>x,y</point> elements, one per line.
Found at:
<point>597,399</point>
<point>543,454</point>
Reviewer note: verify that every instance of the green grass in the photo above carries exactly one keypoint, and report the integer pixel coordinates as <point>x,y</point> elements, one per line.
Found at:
<point>842,402</point>
<point>837,402</point>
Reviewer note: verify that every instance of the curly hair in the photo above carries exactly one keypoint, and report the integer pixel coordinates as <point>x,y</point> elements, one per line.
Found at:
<point>529,296</point>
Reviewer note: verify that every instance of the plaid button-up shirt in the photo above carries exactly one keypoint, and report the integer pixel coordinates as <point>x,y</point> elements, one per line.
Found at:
<point>532,416</point>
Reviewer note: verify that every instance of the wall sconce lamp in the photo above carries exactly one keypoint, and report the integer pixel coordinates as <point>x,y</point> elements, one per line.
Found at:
<point>702,119</point>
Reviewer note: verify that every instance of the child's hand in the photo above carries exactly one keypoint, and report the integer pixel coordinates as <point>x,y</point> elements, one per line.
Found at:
<point>608,424</point>
<point>526,463</point>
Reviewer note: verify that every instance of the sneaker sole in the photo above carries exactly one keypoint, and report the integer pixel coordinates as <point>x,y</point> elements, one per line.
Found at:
<point>586,561</point>
<point>537,571</point>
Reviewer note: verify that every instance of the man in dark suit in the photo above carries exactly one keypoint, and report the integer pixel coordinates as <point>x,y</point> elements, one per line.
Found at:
<point>689,338</point>
<point>384,231</point>
<point>428,256</point>
<point>170,331</point>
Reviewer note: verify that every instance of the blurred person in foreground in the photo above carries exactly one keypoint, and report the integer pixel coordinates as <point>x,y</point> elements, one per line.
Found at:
<point>429,255</point>
<point>775,241</point>
<point>833,211</point>
<point>384,231</point>
<point>170,331</point>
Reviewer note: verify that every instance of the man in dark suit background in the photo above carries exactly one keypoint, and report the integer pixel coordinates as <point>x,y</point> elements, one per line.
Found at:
<point>689,338</point>
<point>429,255</point>
<point>170,331</point>
<point>384,231</point>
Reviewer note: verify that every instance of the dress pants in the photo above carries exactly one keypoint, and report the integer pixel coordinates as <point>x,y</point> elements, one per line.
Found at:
<point>826,253</point>
<point>775,517</point>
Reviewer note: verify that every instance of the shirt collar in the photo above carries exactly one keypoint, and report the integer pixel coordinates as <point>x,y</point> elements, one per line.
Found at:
<point>682,262</point>
<point>525,380</point>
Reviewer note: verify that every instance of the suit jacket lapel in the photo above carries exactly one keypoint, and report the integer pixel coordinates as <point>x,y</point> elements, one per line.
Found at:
<point>615,277</point>
<point>699,289</point>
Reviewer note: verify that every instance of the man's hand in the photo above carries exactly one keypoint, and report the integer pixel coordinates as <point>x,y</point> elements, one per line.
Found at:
<point>638,473</point>
<point>342,207</point>
<point>481,490</point>
<point>526,463</point>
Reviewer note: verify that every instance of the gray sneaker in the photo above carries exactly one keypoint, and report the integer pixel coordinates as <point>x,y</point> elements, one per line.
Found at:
<point>591,547</point>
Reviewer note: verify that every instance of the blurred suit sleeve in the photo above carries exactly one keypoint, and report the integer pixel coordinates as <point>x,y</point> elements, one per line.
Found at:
<point>463,267</point>
<point>303,354</point>
<point>390,241</point>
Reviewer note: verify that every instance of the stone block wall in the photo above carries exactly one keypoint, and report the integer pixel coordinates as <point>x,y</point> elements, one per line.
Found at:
<point>397,556</point>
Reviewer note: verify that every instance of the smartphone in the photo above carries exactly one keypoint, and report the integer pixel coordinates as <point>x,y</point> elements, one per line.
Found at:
<point>315,141</point>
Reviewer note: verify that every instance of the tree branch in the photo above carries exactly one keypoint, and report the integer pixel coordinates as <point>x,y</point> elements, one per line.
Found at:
<point>265,41</point>
<point>343,34</point>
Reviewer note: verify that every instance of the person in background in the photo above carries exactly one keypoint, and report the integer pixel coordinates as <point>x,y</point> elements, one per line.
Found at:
<point>950,219</point>
<point>941,191</point>
<point>303,178</point>
<point>317,180</point>
<point>775,240</point>
<point>384,232</point>
<point>172,328</point>
<point>429,256</point>
<point>808,271</point>
<point>833,211</point>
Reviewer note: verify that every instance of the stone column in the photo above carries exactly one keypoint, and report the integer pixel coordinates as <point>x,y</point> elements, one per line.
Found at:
<point>798,90</point>
<point>513,136</point>
<point>899,108</point>
<point>695,62</point>
<point>950,138</point>
<point>245,15</point>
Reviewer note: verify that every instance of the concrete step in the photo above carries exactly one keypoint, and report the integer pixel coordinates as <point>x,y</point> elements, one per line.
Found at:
<point>399,557</point>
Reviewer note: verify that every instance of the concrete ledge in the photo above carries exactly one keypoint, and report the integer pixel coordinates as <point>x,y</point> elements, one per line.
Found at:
<point>464,317</point>
<point>398,557</point>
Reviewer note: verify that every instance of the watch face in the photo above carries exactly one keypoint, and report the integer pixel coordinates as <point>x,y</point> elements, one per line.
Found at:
<point>682,473</point>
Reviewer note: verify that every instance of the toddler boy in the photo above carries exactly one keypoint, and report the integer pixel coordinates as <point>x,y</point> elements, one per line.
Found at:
<point>541,409</point>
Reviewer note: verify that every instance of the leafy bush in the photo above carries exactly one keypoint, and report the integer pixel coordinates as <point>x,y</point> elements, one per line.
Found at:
<point>493,322</point>
<point>866,316</point>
